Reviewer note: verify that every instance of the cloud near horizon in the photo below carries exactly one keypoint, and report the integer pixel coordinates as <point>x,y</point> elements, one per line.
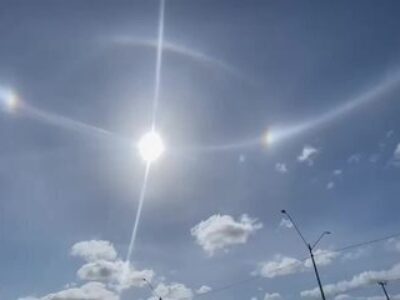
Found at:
<point>360,280</point>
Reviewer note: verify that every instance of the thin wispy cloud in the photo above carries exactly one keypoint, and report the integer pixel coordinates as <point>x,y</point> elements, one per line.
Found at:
<point>281,168</point>
<point>337,172</point>
<point>354,158</point>
<point>330,185</point>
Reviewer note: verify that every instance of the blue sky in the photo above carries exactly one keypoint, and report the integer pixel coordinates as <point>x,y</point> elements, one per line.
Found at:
<point>320,77</point>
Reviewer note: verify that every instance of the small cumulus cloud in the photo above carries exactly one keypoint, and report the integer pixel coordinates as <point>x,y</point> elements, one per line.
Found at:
<point>285,223</point>
<point>273,296</point>
<point>396,153</point>
<point>281,168</point>
<point>204,289</point>
<point>395,159</point>
<point>219,232</point>
<point>308,154</point>
<point>389,133</point>
<point>354,158</point>
<point>374,158</point>
<point>330,185</point>
<point>173,291</point>
<point>280,266</point>
<point>337,172</point>
<point>94,250</point>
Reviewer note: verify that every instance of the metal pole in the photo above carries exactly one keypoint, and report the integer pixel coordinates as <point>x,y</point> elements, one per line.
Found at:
<point>383,285</point>
<point>310,249</point>
<point>316,273</point>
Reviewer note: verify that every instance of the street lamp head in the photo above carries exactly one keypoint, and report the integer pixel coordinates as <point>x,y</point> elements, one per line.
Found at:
<point>283,211</point>
<point>328,232</point>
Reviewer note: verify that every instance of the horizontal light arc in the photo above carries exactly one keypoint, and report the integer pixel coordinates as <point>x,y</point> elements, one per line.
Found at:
<point>184,51</point>
<point>373,94</point>
<point>61,121</point>
<point>11,103</point>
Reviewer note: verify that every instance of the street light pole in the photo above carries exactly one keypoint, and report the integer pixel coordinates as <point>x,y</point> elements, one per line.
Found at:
<point>383,285</point>
<point>310,249</point>
<point>316,273</point>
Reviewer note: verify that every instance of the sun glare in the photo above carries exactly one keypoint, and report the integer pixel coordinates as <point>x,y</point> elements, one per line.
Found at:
<point>151,146</point>
<point>8,99</point>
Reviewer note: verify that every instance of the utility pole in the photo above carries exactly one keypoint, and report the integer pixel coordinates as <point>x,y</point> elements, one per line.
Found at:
<point>383,286</point>
<point>310,250</point>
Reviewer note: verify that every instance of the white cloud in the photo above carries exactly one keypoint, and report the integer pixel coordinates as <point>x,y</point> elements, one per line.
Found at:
<point>117,273</point>
<point>279,266</point>
<point>354,158</point>
<point>94,250</point>
<point>337,172</point>
<point>348,297</point>
<point>356,254</point>
<point>322,258</point>
<point>396,153</point>
<point>330,185</point>
<point>88,291</point>
<point>273,296</point>
<point>174,291</point>
<point>221,231</point>
<point>394,244</point>
<point>203,289</point>
<point>285,223</point>
<point>361,280</point>
<point>281,168</point>
<point>242,158</point>
<point>105,272</point>
<point>373,158</point>
<point>307,155</point>
<point>343,297</point>
<point>283,265</point>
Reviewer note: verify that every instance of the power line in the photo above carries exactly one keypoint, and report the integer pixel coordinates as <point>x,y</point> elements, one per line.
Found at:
<point>338,250</point>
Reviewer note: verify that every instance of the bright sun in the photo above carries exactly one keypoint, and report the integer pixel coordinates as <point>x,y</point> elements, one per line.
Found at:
<point>151,146</point>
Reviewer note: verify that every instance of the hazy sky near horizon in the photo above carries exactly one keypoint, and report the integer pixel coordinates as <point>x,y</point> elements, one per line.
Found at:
<point>70,176</point>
